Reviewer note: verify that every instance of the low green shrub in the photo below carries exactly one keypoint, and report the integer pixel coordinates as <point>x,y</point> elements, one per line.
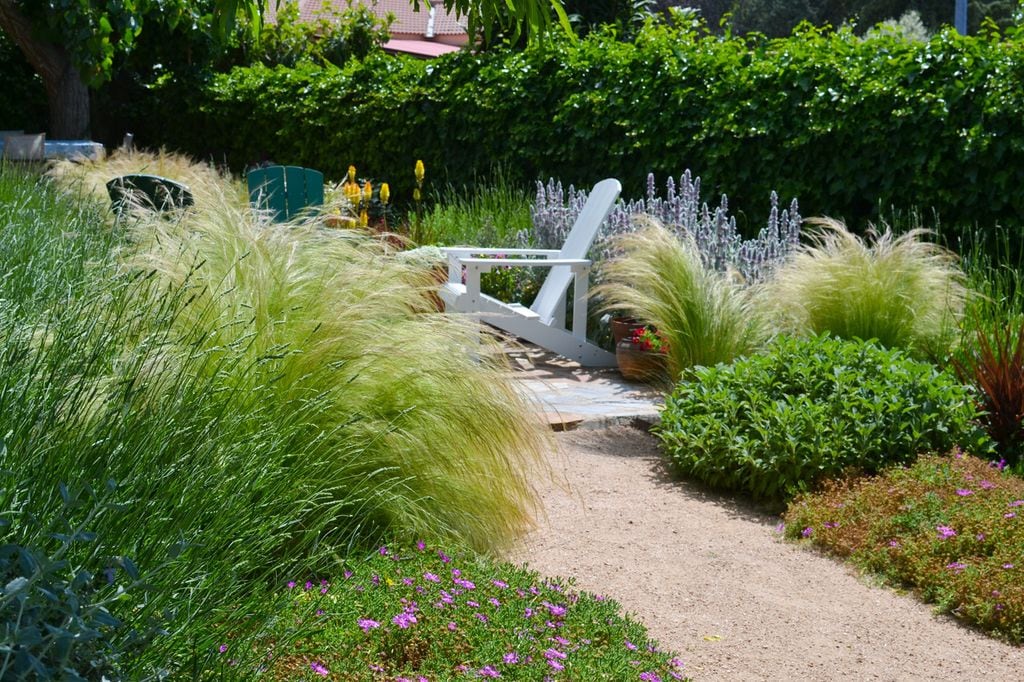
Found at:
<point>55,608</point>
<point>773,424</point>
<point>420,613</point>
<point>950,527</point>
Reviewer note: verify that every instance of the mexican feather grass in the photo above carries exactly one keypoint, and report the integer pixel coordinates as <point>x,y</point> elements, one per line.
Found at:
<point>660,279</point>
<point>267,398</point>
<point>902,291</point>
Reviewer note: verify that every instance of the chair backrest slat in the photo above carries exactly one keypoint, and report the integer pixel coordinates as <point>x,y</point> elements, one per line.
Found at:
<point>599,204</point>
<point>148,191</point>
<point>285,190</point>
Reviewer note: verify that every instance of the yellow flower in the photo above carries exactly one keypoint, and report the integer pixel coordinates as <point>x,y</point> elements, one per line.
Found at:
<point>419,172</point>
<point>352,174</point>
<point>416,194</point>
<point>385,193</point>
<point>352,193</point>
<point>367,191</point>
<point>364,218</point>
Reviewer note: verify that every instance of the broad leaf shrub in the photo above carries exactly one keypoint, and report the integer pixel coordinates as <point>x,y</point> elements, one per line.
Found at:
<point>422,612</point>
<point>949,526</point>
<point>849,125</point>
<point>58,592</point>
<point>902,291</point>
<point>776,423</point>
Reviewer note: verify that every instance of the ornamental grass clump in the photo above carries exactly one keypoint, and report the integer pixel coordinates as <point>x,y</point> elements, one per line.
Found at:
<point>949,526</point>
<point>902,291</point>
<point>266,397</point>
<point>704,316</point>
<point>425,614</point>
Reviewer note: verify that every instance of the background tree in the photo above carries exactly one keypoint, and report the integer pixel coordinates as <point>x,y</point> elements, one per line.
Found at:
<point>77,44</point>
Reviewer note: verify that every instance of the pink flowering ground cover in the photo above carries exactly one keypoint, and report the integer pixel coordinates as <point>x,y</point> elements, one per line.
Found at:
<point>950,527</point>
<point>423,615</point>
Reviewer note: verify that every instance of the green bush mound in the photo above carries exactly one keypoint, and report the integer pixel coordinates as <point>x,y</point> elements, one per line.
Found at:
<point>774,424</point>
<point>849,125</point>
<point>951,527</point>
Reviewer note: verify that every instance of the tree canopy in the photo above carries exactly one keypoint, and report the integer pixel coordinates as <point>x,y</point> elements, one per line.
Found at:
<point>75,44</point>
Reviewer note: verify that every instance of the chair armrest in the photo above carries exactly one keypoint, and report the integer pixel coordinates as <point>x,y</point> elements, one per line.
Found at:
<point>524,262</point>
<point>467,251</point>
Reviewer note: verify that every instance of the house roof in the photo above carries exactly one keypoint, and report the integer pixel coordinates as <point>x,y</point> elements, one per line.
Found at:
<point>419,48</point>
<point>407,20</point>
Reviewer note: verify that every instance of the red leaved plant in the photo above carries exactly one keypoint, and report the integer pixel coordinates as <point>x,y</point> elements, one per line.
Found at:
<point>995,366</point>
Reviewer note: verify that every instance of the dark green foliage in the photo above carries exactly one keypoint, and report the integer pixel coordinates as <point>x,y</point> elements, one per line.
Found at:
<point>846,125</point>
<point>23,105</point>
<point>54,617</point>
<point>774,424</point>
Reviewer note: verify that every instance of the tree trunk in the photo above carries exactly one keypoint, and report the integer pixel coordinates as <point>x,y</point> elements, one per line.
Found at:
<point>66,94</point>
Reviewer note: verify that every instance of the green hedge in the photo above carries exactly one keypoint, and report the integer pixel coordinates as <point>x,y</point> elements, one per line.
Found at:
<point>845,125</point>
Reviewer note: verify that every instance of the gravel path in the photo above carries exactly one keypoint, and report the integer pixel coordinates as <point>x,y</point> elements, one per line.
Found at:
<point>713,581</point>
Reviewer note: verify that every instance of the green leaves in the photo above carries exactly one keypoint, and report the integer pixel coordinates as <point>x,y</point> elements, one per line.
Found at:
<point>774,424</point>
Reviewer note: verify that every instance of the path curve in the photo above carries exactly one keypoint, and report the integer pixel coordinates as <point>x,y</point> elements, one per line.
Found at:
<point>713,581</point>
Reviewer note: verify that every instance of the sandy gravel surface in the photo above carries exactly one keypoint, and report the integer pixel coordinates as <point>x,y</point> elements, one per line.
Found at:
<point>713,581</point>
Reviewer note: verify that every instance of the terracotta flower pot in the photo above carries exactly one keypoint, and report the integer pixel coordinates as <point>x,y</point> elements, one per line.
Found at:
<point>623,328</point>
<point>637,364</point>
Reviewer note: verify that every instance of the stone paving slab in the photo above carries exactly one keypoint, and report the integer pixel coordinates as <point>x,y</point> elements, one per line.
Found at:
<point>573,397</point>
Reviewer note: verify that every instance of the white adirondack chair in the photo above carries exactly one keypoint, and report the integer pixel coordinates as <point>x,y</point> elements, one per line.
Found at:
<point>543,323</point>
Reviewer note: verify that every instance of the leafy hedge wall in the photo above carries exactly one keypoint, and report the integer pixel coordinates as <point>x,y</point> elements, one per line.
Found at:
<point>844,124</point>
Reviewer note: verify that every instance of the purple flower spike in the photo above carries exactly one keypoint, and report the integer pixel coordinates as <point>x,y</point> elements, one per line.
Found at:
<point>319,669</point>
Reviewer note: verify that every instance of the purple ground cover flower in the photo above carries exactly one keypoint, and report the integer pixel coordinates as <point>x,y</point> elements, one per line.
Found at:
<point>807,532</point>
<point>964,492</point>
<point>987,485</point>
<point>319,669</point>
<point>404,619</point>
<point>956,566</point>
<point>649,677</point>
<point>499,583</point>
<point>368,624</point>
<point>554,653</point>
<point>945,532</point>
<point>431,577</point>
<point>488,671</point>
<point>511,658</point>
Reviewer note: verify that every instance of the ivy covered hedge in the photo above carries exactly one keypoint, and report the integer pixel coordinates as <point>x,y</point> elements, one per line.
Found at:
<point>847,125</point>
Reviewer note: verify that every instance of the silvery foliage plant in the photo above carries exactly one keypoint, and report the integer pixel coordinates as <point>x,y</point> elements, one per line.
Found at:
<point>720,244</point>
